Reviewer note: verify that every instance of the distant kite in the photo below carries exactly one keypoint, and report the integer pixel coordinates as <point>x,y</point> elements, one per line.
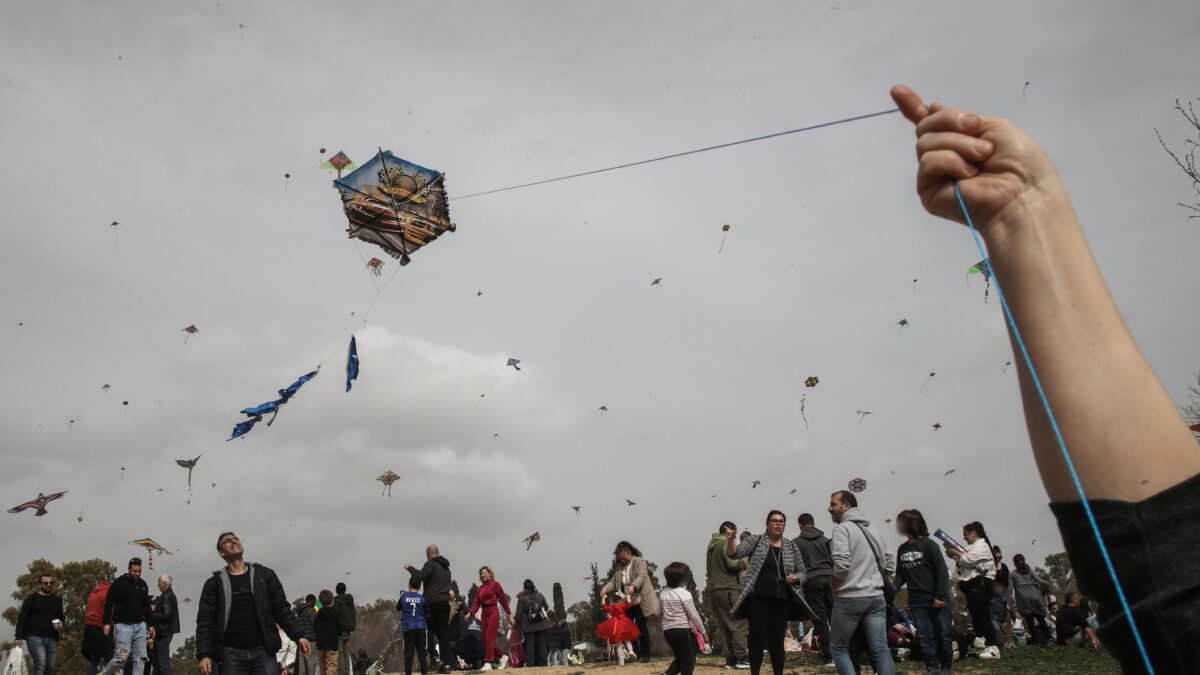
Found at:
<point>657,282</point>
<point>863,413</point>
<point>603,409</point>
<point>857,485</point>
<point>794,491</point>
<point>577,510</point>
<point>1006,365</point>
<point>755,484</point>
<point>339,162</point>
<point>188,464</point>
<point>79,516</point>
<point>39,503</point>
<point>985,268</point>
<point>387,478</point>
<point>725,233</point>
<point>190,330</point>
<point>937,425</point>
<point>528,541</point>
<point>256,413</point>
<point>151,547</point>
<point>931,375</point>
<point>106,387</point>
<point>286,176</point>
<point>902,323</point>
<point>812,382</point>
<point>352,363</point>
<point>949,472</point>
<point>630,502</point>
<point>478,293</point>
<point>375,266</point>
<point>914,285</point>
<point>803,414</point>
<point>513,363</point>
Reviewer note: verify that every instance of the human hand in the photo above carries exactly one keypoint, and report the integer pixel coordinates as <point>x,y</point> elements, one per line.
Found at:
<point>998,167</point>
<point>206,666</point>
<point>793,579</point>
<point>107,629</point>
<point>152,634</point>
<point>305,647</point>
<point>16,643</point>
<point>407,566</point>
<point>630,590</point>
<point>938,604</point>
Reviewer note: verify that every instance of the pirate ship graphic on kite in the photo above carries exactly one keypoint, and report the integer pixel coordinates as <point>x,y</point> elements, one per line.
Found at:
<point>396,205</point>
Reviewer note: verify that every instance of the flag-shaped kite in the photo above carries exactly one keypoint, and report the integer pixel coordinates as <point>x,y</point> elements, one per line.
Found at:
<point>270,407</point>
<point>528,541</point>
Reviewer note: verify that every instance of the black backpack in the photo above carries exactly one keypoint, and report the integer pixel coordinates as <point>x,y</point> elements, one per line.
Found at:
<point>534,613</point>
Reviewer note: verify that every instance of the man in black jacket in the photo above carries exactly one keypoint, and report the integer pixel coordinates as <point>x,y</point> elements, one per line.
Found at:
<point>126,613</point>
<point>435,576</point>
<point>166,624</point>
<point>38,623</point>
<point>818,591</point>
<point>240,606</point>
<point>306,612</point>
<point>347,619</point>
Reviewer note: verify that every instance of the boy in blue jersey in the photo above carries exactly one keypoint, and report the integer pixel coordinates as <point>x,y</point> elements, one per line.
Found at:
<point>412,621</point>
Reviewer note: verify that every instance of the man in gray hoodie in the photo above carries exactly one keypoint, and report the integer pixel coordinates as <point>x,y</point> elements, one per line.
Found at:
<point>858,553</point>
<point>818,587</point>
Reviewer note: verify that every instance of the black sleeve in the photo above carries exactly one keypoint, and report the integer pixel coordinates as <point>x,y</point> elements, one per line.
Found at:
<point>280,609</point>
<point>423,573</point>
<point>206,621</point>
<point>1156,556</point>
<point>148,613</point>
<point>110,601</point>
<point>23,618</point>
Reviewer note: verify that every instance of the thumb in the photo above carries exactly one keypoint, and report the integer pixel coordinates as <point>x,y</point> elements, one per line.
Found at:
<point>909,102</point>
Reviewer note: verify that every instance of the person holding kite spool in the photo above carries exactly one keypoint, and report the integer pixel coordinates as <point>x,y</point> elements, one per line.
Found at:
<point>1133,457</point>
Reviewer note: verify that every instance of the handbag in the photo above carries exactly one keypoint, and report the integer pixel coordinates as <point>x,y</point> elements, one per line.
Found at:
<point>889,588</point>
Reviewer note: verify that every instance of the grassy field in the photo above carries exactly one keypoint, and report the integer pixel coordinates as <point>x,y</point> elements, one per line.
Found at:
<point>1015,661</point>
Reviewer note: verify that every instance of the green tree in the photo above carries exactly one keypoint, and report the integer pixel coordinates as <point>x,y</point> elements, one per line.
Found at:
<point>583,624</point>
<point>1058,572</point>
<point>471,593</point>
<point>596,604</point>
<point>75,581</point>
<point>560,605</point>
<point>183,661</point>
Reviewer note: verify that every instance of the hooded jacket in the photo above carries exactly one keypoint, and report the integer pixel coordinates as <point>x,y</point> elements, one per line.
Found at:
<point>814,548</point>
<point>525,601</point>
<point>854,556</point>
<point>270,603</point>
<point>95,604</point>
<point>722,570</point>
<point>306,612</point>
<point>435,575</point>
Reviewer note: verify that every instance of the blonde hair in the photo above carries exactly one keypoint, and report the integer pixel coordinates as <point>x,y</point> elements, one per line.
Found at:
<point>489,571</point>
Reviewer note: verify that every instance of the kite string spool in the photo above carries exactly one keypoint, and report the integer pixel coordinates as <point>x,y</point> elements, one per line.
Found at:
<point>1062,445</point>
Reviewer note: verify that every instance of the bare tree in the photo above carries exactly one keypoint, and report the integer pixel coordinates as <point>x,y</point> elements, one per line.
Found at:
<point>1191,409</point>
<point>1186,159</point>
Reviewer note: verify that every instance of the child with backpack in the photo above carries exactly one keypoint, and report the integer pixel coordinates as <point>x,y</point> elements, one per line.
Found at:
<point>411,606</point>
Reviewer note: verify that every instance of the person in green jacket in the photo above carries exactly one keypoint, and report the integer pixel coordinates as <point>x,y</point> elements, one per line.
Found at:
<point>724,585</point>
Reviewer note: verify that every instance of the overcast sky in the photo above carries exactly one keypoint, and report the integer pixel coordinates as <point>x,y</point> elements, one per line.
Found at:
<point>179,121</point>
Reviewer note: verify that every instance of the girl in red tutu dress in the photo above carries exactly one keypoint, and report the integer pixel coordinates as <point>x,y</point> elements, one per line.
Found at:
<point>619,630</point>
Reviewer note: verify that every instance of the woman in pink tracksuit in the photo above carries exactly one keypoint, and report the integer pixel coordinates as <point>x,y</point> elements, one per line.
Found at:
<point>490,594</point>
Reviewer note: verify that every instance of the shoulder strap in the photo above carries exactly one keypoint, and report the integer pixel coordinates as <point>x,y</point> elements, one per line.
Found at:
<point>871,543</point>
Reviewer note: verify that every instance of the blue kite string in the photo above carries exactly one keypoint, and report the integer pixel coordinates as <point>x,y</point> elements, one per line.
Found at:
<point>1062,445</point>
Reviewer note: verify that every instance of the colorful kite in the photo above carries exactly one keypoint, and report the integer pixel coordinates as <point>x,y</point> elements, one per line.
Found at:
<point>857,485</point>
<point>79,516</point>
<point>513,363</point>
<point>812,382</point>
<point>396,205</point>
<point>725,233</point>
<point>352,363</point>
<point>387,478</point>
<point>931,375</point>
<point>803,414</point>
<point>375,266</point>
<point>151,547</point>
<point>902,323</point>
<point>39,503</point>
<point>339,162</point>
<point>270,407</point>
<point>528,541</point>
<point>190,330</point>
<point>189,464</point>
<point>985,268</point>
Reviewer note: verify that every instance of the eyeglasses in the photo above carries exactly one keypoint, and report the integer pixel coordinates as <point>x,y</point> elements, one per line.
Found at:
<point>47,583</point>
<point>777,522</point>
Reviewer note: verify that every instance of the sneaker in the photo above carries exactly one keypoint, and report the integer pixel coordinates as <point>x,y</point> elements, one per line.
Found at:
<point>486,666</point>
<point>992,652</point>
<point>503,662</point>
<point>742,664</point>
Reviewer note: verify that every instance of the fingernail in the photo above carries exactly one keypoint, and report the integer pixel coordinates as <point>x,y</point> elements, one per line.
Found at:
<point>984,147</point>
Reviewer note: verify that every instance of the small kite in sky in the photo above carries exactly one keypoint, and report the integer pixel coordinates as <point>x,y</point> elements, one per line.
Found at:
<point>189,464</point>
<point>725,233</point>
<point>339,162</point>
<point>756,484</point>
<point>793,491</point>
<point>375,266</point>
<point>387,478</point>
<point>478,294</point>
<point>931,375</point>
<point>862,414</point>
<point>190,330</point>
<point>352,363</point>
<point>937,425</point>
<point>657,282</point>
<point>528,541</point>
<point>513,363</point>
<point>79,516</point>
<point>949,472</point>
<point>630,502</point>
<point>151,547</point>
<point>70,424</point>
<point>902,323</point>
<point>914,285</point>
<point>982,267</point>
<point>106,387</point>
<point>857,485</point>
<point>1004,371</point>
<point>887,521</point>
<point>286,177</point>
<point>603,409</point>
<point>39,503</point>
<point>270,407</point>
<point>578,511</point>
<point>812,382</point>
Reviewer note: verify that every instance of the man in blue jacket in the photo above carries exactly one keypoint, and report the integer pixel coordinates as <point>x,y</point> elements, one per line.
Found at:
<point>240,607</point>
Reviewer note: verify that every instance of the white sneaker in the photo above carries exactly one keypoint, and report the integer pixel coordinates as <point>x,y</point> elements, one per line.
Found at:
<point>504,662</point>
<point>978,643</point>
<point>486,666</point>
<point>992,652</point>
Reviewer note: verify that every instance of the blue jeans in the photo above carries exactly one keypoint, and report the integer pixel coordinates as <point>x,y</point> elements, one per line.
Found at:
<point>248,662</point>
<point>936,633</point>
<point>850,613</point>
<point>162,655</point>
<point>130,643</point>
<point>43,650</point>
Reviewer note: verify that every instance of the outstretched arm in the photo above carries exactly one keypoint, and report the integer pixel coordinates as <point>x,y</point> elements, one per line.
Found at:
<point>1124,433</point>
